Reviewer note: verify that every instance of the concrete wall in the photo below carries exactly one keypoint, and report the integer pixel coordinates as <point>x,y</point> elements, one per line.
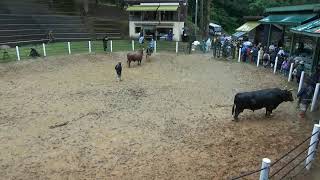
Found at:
<point>176,26</point>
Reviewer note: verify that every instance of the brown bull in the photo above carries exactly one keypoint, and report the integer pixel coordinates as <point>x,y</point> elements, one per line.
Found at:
<point>135,56</point>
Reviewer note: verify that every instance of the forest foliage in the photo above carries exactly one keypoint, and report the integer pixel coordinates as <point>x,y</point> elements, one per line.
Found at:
<point>230,13</point>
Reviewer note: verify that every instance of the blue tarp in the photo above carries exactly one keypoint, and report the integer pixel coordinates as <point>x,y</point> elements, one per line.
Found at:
<point>238,34</point>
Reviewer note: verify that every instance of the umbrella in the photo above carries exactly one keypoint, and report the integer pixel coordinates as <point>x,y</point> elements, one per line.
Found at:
<point>247,43</point>
<point>196,43</point>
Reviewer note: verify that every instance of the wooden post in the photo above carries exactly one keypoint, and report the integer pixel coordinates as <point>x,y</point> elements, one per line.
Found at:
<point>18,53</point>
<point>69,47</point>
<point>275,66</point>
<point>111,48</point>
<point>44,50</point>
<point>90,50</point>
<point>264,174</point>
<point>313,145</point>
<point>132,44</point>
<point>301,81</point>
<point>239,57</point>
<point>315,97</point>
<point>258,60</point>
<point>177,47</point>
<point>290,72</point>
<point>269,35</point>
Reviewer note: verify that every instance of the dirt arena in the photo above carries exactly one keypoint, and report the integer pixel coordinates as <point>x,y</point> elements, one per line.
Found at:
<point>68,118</point>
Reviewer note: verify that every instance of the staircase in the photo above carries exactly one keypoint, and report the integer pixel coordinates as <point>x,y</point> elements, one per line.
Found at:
<point>29,21</point>
<point>28,29</point>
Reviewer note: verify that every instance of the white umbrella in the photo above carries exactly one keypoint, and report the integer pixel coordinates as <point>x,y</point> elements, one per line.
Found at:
<point>196,43</point>
<point>247,43</point>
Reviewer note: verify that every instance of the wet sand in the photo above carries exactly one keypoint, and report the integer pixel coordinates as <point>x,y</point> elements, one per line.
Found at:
<point>168,119</point>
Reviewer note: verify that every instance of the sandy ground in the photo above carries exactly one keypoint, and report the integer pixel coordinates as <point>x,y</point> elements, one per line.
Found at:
<point>168,119</point>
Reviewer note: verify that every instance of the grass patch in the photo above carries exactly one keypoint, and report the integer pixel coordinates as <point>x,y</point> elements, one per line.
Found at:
<point>61,48</point>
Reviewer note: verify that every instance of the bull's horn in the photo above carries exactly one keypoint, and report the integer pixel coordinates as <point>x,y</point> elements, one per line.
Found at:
<point>290,90</point>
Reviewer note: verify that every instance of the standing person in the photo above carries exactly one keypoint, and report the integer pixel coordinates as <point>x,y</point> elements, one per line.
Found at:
<point>281,52</point>
<point>249,55</point>
<point>118,69</point>
<point>266,59</point>
<point>105,42</point>
<point>244,53</point>
<point>272,47</point>
<point>255,53</point>
<point>299,70</point>
<point>170,35</point>
<point>141,41</point>
<point>273,56</point>
<point>285,67</point>
<point>50,36</point>
<point>208,44</point>
<point>305,95</point>
<point>150,48</point>
<point>315,77</point>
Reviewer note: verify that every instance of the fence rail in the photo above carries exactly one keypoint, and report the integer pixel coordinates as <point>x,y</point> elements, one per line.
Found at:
<point>308,158</point>
<point>65,48</point>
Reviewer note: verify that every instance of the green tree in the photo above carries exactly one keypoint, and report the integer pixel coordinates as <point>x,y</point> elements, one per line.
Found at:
<point>229,13</point>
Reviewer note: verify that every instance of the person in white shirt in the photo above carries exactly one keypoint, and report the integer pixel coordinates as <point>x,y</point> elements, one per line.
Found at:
<point>281,52</point>
<point>272,47</point>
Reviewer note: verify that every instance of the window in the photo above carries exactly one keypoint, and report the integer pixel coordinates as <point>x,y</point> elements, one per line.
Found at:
<point>137,29</point>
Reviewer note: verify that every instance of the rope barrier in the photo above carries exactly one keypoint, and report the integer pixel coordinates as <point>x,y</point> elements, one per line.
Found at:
<point>301,170</point>
<point>296,165</point>
<point>248,174</point>
<point>272,164</point>
<point>282,157</point>
<point>292,160</point>
<point>306,164</point>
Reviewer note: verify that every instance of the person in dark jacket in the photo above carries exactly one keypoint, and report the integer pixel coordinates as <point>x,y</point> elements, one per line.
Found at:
<point>34,53</point>
<point>266,59</point>
<point>299,70</point>
<point>255,54</point>
<point>118,69</point>
<point>105,42</point>
<point>273,55</point>
<point>315,77</point>
<point>305,96</point>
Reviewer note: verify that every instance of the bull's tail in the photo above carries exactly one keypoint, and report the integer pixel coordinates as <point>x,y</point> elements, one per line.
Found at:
<point>233,108</point>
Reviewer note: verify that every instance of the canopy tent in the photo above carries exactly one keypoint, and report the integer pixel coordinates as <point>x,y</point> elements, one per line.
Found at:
<point>142,8</point>
<point>305,7</point>
<point>153,8</point>
<point>287,19</point>
<point>168,8</point>
<point>312,28</point>
<point>248,26</point>
<point>214,25</point>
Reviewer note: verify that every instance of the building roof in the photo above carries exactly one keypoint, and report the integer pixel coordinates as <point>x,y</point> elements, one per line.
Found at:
<point>153,8</point>
<point>307,7</point>
<point>288,19</point>
<point>253,18</point>
<point>154,1</point>
<point>248,26</point>
<point>311,28</point>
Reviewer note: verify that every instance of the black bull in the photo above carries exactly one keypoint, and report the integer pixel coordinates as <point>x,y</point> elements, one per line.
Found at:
<point>266,98</point>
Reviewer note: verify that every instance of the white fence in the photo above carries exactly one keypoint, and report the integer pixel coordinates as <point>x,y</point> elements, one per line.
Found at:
<point>292,163</point>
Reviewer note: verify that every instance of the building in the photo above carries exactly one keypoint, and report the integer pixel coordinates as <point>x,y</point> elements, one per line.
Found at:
<point>286,17</point>
<point>308,35</point>
<point>252,29</point>
<point>158,18</point>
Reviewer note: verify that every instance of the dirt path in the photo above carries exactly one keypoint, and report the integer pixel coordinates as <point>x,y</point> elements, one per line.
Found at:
<point>168,119</point>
